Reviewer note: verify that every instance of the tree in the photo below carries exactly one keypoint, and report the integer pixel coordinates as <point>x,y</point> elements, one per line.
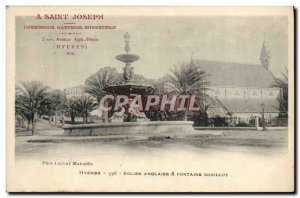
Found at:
<point>31,98</point>
<point>282,83</point>
<point>187,79</point>
<point>23,112</point>
<point>56,104</point>
<point>71,107</point>
<point>96,83</point>
<point>85,105</point>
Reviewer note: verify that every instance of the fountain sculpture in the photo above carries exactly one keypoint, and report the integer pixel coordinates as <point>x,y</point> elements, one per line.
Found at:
<point>129,86</point>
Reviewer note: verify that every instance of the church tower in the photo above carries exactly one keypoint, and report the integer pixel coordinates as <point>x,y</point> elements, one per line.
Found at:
<point>265,56</point>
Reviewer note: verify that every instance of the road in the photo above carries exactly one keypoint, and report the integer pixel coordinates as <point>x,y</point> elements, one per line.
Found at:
<point>260,142</point>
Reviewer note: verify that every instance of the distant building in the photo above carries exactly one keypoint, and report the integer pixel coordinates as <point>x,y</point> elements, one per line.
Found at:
<point>73,92</point>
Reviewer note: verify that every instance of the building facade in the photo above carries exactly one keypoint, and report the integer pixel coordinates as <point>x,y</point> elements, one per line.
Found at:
<point>244,91</point>
<point>75,92</point>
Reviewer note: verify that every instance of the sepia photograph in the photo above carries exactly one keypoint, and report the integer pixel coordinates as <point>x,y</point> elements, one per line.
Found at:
<point>150,99</point>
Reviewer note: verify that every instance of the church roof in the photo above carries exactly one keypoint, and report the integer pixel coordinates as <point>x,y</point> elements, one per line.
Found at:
<point>236,74</point>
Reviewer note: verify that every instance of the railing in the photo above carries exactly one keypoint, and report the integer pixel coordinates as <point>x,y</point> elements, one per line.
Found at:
<point>274,122</point>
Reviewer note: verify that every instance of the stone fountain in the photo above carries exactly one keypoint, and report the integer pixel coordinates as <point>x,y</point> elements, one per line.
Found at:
<point>129,86</point>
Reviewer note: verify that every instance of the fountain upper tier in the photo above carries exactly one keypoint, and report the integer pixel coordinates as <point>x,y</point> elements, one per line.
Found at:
<point>129,85</point>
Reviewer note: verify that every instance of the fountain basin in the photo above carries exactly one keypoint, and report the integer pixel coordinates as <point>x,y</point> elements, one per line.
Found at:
<point>129,128</point>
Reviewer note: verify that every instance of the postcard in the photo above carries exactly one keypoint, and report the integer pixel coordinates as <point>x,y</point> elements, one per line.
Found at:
<point>150,99</point>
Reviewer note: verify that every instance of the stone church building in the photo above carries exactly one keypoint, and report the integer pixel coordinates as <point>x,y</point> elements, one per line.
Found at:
<point>243,90</point>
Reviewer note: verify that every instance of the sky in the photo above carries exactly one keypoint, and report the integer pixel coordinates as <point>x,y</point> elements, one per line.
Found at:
<point>161,42</point>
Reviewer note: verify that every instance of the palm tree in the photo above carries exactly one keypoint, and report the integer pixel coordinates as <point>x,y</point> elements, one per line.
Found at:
<point>23,112</point>
<point>57,98</point>
<point>187,79</point>
<point>85,105</point>
<point>282,83</point>
<point>31,98</point>
<point>71,107</point>
<point>96,83</point>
